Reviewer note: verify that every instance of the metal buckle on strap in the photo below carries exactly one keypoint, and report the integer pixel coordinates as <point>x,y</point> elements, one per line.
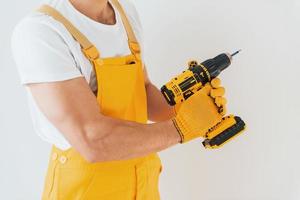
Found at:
<point>91,53</point>
<point>135,47</point>
<point>136,50</point>
<point>98,62</point>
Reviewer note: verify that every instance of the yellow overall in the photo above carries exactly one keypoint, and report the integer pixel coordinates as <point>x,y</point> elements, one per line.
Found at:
<point>121,94</point>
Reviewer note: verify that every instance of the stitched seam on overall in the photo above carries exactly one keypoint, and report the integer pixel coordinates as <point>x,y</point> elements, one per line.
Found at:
<point>90,184</point>
<point>133,94</point>
<point>53,177</point>
<point>136,183</point>
<point>59,178</point>
<point>99,90</point>
<point>58,184</point>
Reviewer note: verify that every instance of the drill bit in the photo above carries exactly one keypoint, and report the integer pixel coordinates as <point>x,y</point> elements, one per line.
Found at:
<point>236,52</point>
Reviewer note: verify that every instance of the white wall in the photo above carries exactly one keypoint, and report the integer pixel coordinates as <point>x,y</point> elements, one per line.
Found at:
<point>262,164</point>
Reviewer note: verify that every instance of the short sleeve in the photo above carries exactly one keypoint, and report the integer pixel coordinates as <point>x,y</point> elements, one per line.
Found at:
<point>40,53</point>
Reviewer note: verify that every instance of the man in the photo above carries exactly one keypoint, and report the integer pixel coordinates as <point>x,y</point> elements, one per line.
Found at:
<point>90,97</point>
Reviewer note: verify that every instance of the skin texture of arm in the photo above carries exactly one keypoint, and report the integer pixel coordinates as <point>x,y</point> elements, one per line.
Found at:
<point>72,108</point>
<point>158,108</point>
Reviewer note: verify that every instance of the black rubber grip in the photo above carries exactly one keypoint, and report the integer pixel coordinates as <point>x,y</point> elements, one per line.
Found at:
<point>227,134</point>
<point>216,65</point>
<point>169,95</point>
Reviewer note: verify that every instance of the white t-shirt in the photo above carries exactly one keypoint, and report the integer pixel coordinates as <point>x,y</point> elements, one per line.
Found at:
<point>45,51</point>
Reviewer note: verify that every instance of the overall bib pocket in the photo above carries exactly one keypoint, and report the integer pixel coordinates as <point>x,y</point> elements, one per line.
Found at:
<point>117,88</point>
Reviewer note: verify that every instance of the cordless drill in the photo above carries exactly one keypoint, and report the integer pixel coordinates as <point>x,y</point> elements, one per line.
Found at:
<point>190,81</point>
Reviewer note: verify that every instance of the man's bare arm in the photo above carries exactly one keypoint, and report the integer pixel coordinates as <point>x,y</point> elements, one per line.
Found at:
<point>158,108</point>
<point>72,108</point>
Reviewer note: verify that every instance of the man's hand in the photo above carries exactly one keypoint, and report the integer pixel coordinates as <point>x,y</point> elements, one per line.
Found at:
<point>201,111</point>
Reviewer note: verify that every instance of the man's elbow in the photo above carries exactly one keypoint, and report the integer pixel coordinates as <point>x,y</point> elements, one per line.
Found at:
<point>92,153</point>
<point>87,140</point>
<point>91,157</point>
<point>90,140</point>
<point>92,149</point>
<point>94,145</point>
<point>100,154</point>
<point>88,156</point>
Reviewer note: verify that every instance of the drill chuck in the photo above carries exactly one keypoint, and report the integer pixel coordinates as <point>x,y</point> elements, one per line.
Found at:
<point>210,68</point>
<point>216,65</point>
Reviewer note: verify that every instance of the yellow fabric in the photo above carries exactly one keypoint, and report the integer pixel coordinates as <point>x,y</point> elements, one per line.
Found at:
<point>200,112</point>
<point>70,177</point>
<point>121,94</point>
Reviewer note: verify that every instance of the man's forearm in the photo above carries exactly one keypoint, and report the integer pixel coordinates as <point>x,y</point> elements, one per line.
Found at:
<point>158,108</point>
<point>95,136</point>
<point>114,139</point>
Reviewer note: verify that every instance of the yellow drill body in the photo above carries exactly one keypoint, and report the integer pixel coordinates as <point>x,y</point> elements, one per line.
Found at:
<point>180,88</point>
<point>188,78</point>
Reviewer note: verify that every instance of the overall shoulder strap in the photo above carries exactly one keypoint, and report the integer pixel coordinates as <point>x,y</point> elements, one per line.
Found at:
<point>88,48</point>
<point>132,41</point>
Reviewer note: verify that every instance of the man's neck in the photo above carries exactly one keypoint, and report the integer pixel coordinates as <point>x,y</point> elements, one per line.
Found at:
<point>98,10</point>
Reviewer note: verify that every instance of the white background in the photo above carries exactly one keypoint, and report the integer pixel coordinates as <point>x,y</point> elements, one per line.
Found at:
<point>262,87</point>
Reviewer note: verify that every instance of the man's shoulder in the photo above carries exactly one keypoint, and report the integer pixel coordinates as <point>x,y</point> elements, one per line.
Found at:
<point>37,24</point>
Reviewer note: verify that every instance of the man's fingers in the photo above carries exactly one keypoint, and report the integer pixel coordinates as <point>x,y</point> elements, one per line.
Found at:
<point>223,110</point>
<point>218,92</point>
<point>220,101</point>
<point>206,89</point>
<point>216,83</point>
